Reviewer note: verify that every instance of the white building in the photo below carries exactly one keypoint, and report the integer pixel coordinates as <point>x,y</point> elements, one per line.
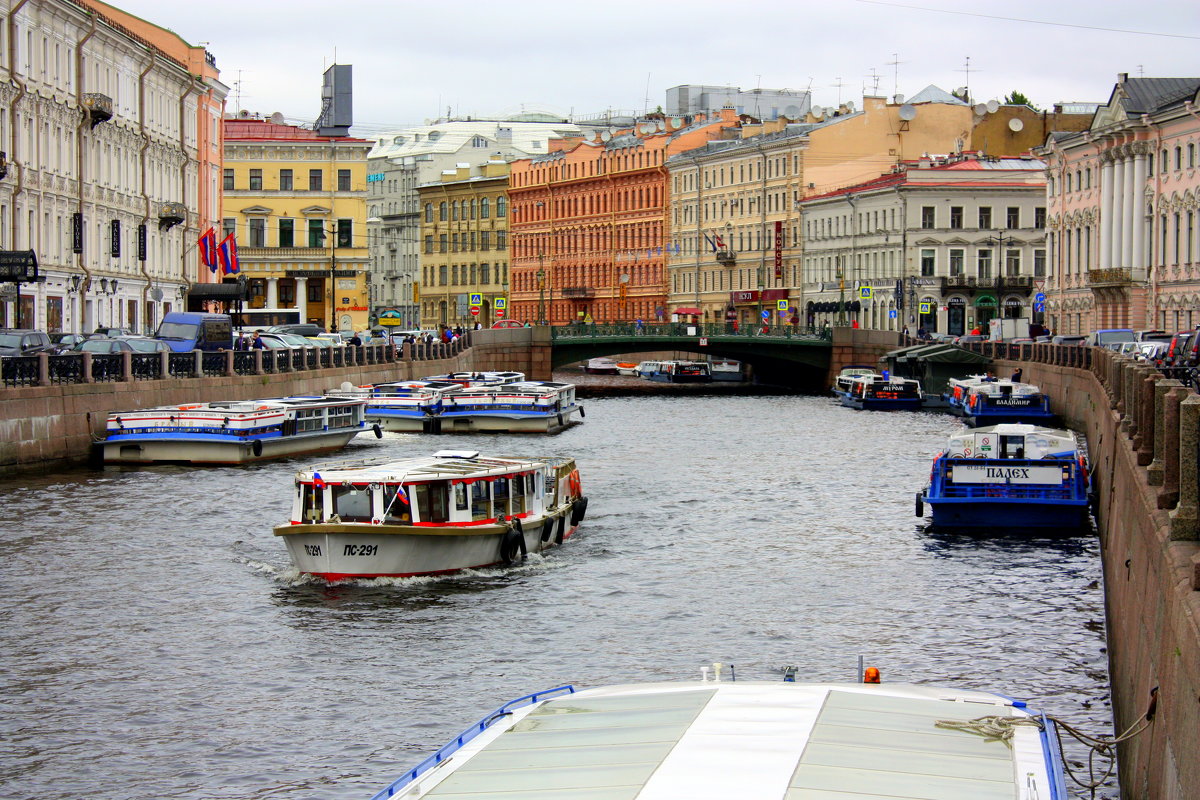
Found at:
<point>945,244</point>
<point>99,133</point>
<point>762,104</point>
<point>403,160</point>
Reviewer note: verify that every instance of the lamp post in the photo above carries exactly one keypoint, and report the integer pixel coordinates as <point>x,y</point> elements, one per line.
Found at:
<point>541,279</point>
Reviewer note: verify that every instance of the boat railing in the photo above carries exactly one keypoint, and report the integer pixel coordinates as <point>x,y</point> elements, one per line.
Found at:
<point>456,744</point>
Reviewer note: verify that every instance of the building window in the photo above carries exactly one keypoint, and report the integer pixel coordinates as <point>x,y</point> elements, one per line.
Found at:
<point>345,233</point>
<point>484,210</point>
<point>985,217</point>
<point>472,241</point>
<point>928,263</point>
<point>1163,160</point>
<point>1039,217</point>
<point>956,216</point>
<point>501,237</point>
<point>428,244</point>
<point>429,212</point>
<point>454,243</point>
<point>314,180</point>
<point>285,180</point>
<point>443,243</point>
<point>485,240</point>
<point>927,217</point>
<point>343,180</point>
<point>228,182</point>
<point>983,263</point>
<point>501,207</point>
<point>453,212</point>
<point>1012,263</point>
<point>316,233</point>
<point>287,233</point>
<point>1039,263</point>
<point>256,180</point>
<point>1013,217</point>
<point>1191,156</point>
<point>442,211</point>
<point>1178,158</point>
<point>228,226</point>
<point>258,231</point>
<point>442,270</point>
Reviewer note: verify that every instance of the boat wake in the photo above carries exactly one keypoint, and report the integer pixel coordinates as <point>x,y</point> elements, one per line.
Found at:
<point>289,576</point>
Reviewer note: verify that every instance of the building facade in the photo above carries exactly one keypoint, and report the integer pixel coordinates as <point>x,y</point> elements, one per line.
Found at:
<point>296,203</point>
<point>102,169</point>
<point>1124,225</point>
<point>942,244</point>
<point>464,247</point>
<point>589,223</point>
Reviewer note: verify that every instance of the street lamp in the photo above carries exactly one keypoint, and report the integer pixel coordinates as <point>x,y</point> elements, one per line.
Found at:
<point>541,279</point>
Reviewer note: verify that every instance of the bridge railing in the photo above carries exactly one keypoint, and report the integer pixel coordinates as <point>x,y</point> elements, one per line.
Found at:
<point>723,330</point>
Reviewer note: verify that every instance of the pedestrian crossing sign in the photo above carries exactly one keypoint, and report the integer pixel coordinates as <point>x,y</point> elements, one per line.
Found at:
<point>500,303</point>
<point>476,300</point>
<point>781,305</point>
<point>926,308</point>
<point>864,293</point>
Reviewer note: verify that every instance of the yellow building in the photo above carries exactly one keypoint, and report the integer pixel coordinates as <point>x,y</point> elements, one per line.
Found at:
<point>297,203</point>
<point>464,246</point>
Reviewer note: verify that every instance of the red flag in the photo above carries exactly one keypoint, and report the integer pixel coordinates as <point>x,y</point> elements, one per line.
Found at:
<point>208,249</point>
<point>228,255</point>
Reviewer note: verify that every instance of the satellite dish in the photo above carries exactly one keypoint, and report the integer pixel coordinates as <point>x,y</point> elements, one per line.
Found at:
<point>277,118</point>
<point>850,106</point>
<point>791,112</point>
<point>908,112</point>
<point>605,135</point>
<point>156,294</point>
<point>818,111</point>
<point>676,122</point>
<point>980,109</point>
<point>993,106</point>
<point>662,125</point>
<point>1015,125</point>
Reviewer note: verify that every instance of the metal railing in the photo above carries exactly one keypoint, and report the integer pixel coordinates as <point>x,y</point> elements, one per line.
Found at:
<point>723,330</point>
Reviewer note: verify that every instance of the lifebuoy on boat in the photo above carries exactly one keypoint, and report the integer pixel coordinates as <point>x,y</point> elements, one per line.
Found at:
<point>574,484</point>
<point>189,408</point>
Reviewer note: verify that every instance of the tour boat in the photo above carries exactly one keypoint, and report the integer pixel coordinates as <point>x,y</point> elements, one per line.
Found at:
<point>522,407</point>
<point>403,406</point>
<point>235,432</point>
<point>994,402</point>
<point>726,369</point>
<point>627,368</point>
<point>477,378</point>
<point>748,740</point>
<point>841,384</point>
<point>681,372</point>
<point>957,390</point>
<point>429,515</point>
<point>1013,476</point>
<point>644,368</point>
<point>601,366</point>
<point>879,393</point>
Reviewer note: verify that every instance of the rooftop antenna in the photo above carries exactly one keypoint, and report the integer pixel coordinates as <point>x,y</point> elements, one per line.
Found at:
<point>757,96</point>
<point>874,76</point>
<point>967,80</point>
<point>646,109</point>
<point>838,85</point>
<point>1141,74</point>
<point>895,65</point>
<point>237,93</point>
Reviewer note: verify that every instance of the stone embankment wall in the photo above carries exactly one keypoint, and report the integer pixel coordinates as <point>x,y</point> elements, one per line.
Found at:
<point>54,425</point>
<point>859,346</point>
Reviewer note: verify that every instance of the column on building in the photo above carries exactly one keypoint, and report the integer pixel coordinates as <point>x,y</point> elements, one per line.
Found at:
<point>1137,202</point>
<point>302,297</point>
<point>272,292</point>
<point>1106,209</point>
<point>1128,208</point>
<point>1118,215</point>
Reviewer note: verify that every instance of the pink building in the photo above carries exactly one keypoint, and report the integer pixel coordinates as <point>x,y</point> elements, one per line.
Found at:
<point>1122,218</point>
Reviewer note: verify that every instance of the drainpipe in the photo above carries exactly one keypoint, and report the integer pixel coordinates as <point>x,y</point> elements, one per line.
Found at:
<point>183,171</point>
<point>84,119</point>
<point>142,159</point>
<point>12,116</point>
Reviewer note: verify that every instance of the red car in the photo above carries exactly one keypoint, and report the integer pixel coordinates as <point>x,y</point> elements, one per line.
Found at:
<point>508,323</point>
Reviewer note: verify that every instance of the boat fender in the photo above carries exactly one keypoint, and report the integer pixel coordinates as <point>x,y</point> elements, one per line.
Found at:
<point>562,529</point>
<point>920,506</point>
<point>256,448</point>
<point>512,546</point>
<point>578,509</point>
<point>582,413</point>
<point>560,420</point>
<point>378,430</point>
<point>548,528</point>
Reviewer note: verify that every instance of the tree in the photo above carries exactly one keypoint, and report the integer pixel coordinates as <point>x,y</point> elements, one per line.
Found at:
<point>1019,99</point>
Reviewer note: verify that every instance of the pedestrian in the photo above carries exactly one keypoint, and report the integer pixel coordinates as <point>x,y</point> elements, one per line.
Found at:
<point>241,343</point>
<point>356,340</point>
<point>258,343</point>
<point>905,331</point>
<point>854,323</point>
<point>640,327</point>
<point>1016,376</point>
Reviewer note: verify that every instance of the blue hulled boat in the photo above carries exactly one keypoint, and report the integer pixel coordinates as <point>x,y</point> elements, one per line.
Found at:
<point>880,393</point>
<point>983,401</point>
<point>1012,476</point>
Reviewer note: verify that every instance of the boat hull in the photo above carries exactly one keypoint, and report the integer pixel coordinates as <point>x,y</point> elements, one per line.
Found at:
<point>215,449</point>
<point>341,551</point>
<point>1008,513</point>
<point>499,422</point>
<point>879,404</point>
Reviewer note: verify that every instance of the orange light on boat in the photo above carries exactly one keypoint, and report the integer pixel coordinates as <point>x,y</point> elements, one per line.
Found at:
<point>871,675</point>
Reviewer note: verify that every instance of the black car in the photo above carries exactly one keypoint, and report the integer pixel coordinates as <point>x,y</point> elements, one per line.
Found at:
<point>302,328</point>
<point>121,344</point>
<point>24,342</point>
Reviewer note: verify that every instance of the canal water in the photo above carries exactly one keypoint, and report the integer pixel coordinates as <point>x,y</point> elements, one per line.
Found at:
<point>157,643</point>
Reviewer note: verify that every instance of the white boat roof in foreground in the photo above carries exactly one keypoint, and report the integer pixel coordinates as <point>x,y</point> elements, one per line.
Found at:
<point>748,741</point>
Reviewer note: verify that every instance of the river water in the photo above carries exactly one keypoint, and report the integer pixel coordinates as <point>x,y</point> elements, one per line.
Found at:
<point>157,643</point>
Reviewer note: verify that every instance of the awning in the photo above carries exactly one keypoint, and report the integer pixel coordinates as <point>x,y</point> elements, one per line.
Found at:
<point>985,301</point>
<point>217,291</point>
<point>941,352</point>
<point>691,311</point>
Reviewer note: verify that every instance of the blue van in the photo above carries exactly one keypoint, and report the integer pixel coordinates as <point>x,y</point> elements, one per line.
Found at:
<point>185,331</point>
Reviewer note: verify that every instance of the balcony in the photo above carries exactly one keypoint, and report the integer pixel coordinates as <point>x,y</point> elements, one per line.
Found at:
<point>578,292</point>
<point>170,215</point>
<point>99,107</point>
<point>726,258</point>
<point>1113,276</point>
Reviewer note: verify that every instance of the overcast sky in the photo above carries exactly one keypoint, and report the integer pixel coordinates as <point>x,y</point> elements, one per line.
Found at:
<point>414,60</point>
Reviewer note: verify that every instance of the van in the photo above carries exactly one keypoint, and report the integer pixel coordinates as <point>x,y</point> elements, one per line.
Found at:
<point>1109,337</point>
<point>185,331</point>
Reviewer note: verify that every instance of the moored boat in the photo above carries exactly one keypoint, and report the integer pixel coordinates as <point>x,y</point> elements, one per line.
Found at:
<point>750,740</point>
<point>522,407</point>
<point>681,372</point>
<point>841,384</point>
<point>437,514</point>
<point>234,432</point>
<point>879,393</point>
<point>1013,476</point>
<point>402,406</point>
<point>477,378</point>
<point>600,366</point>
<point>725,369</point>
<point>994,402</point>
<point>627,368</point>
<point>957,390</point>
<point>644,368</point>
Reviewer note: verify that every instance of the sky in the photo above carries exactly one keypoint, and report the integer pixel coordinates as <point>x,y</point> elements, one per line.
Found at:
<point>416,61</point>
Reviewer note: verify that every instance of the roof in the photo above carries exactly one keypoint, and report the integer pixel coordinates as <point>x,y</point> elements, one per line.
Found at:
<point>453,135</point>
<point>934,94</point>
<point>1147,95</point>
<point>941,352</point>
<point>263,129</point>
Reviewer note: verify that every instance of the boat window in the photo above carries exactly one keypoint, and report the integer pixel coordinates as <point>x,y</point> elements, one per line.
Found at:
<point>433,502</point>
<point>460,497</point>
<point>310,504</point>
<point>518,494</point>
<point>1012,446</point>
<point>309,419</point>
<point>352,503</point>
<point>500,495</point>
<point>481,500</point>
<point>395,509</point>
<point>341,417</point>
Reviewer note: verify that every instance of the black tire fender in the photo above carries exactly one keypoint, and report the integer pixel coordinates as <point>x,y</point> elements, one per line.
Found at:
<point>256,448</point>
<point>378,430</point>
<point>582,413</point>
<point>920,505</point>
<point>578,509</point>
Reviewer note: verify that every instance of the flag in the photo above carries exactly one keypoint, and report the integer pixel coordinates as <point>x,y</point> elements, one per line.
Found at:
<point>402,495</point>
<point>708,239</point>
<point>228,255</point>
<point>318,481</point>
<point>208,249</point>
<point>720,242</point>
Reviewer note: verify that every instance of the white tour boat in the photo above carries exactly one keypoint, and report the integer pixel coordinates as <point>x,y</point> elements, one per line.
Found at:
<point>601,366</point>
<point>523,407</point>
<point>437,514</point>
<point>644,368</point>
<point>726,369</point>
<point>235,432</point>
<point>403,406</point>
<point>842,383</point>
<point>748,740</point>
<point>681,372</point>
<point>477,378</point>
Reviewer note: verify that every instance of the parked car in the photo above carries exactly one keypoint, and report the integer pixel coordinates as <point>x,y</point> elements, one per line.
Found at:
<point>1151,351</point>
<point>24,342</point>
<point>1109,337</point>
<point>508,323</point>
<point>111,332</point>
<point>281,341</point>
<point>65,342</point>
<point>1175,349</point>
<point>1153,336</point>
<point>1069,339</point>
<point>122,344</point>
<point>302,328</point>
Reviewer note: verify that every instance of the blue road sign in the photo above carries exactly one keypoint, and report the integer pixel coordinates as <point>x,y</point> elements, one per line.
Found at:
<point>1040,297</point>
<point>1039,307</point>
<point>766,314</point>
<point>891,313</point>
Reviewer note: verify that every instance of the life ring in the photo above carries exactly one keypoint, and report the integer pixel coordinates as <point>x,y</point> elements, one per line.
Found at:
<point>378,430</point>
<point>573,483</point>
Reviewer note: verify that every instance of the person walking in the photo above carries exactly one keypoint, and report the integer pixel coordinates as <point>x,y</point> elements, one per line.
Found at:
<point>258,343</point>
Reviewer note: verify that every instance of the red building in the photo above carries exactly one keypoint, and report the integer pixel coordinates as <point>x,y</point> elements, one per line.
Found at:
<point>588,222</point>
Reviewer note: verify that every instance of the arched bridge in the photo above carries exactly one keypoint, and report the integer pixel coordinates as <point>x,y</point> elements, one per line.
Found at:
<point>781,354</point>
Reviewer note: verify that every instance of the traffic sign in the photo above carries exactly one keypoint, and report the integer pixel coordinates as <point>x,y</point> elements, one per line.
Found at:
<point>499,313</point>
<point>891,313</point>
<point>781,305</point>
<point>476,300</point>
<point>500,303</point>
<point>1039,298</point>
<point>766,314</point>
<point>926,308</point>
<point>474,311</point>
<point>864,293</point>
<point>1039,307</point>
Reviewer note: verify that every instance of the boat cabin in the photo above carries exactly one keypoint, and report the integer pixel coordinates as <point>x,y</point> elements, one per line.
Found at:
<point>1012,442</point>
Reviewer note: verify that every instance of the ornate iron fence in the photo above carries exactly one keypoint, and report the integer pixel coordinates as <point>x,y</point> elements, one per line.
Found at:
<point>145,366</point>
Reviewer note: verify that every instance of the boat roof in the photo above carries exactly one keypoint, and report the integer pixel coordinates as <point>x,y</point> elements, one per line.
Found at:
<point>519,387</point>
<point>746,740</point>
<point>250,406</point>
<point>1021,429</point>
<point>443,465</point>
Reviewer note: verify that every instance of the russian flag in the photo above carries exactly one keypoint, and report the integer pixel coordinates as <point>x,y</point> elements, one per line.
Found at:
<point>318,481</point>
<point>228,255</point>
<point>401,495</point>
<point>208,249</point>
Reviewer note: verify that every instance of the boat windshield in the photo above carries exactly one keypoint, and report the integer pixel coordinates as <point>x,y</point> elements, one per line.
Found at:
<point>352,503</point>
<point>310,504</point>
<point>481,500</point>
<point>396,511</point>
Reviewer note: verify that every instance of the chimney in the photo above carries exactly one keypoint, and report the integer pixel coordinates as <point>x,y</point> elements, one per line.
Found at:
<point>1122,77</point>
